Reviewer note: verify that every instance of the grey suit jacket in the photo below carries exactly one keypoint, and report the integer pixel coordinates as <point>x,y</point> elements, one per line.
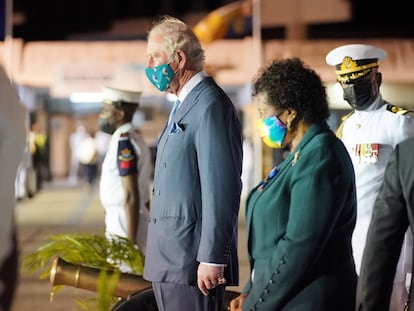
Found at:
<point>393,212</point>
<point>196,194</point>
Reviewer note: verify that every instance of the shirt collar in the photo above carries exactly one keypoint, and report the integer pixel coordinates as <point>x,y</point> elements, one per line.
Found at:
<point>123,128</point>
<point>188,87</point>
<point>377,103</point>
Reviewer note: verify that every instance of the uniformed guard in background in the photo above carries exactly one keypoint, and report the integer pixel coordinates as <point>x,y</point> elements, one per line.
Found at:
<point>370,132</point>
<point>126,169</point>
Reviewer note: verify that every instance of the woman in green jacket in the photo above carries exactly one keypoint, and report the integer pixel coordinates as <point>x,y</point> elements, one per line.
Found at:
<point>300,218</point>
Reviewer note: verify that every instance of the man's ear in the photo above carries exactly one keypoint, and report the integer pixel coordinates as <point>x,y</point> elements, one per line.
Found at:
<point>378,77</point>
<point>182,59</point>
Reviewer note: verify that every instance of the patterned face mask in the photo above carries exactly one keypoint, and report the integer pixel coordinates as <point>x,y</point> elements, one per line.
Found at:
<point>272,131</point>
<point>160,76</point>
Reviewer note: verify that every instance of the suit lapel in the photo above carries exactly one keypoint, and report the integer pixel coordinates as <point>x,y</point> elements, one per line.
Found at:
<point>189,102</point>
<point>281,170</point>
<point>192,99</point>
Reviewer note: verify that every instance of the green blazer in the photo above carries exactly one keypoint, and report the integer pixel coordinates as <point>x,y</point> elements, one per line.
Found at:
<point>299,230</point>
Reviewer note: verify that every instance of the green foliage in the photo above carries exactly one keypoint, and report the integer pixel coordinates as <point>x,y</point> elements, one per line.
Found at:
<point>106,285</point>
<point>92,250</point>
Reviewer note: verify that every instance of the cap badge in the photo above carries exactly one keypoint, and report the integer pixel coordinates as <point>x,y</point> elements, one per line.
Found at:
<point>348,63</point>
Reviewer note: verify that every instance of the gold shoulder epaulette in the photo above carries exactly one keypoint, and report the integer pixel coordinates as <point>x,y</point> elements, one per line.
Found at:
<point>397,110</point>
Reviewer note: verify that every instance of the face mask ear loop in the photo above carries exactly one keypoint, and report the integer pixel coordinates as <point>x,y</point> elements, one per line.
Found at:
<point>178,69</point>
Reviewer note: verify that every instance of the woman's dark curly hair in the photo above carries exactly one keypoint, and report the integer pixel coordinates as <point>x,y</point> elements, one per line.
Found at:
<point>290,84</point>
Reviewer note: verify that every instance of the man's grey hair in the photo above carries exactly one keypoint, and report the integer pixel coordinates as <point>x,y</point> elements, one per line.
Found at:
<point>179,36</point>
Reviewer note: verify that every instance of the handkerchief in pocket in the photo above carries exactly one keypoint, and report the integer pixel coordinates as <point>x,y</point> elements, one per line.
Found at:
<point>176,128</point>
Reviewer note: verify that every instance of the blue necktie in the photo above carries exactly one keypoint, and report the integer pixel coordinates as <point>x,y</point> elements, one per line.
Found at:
<point>174,110</point>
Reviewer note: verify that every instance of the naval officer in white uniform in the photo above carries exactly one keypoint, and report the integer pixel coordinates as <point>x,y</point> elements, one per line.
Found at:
<point>370,131</point>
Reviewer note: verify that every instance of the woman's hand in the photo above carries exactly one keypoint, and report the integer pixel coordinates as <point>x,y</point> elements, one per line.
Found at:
<point>236,303</point>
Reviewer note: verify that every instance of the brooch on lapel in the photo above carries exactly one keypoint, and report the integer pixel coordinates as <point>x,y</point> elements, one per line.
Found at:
<point>273,172</point>
<point>295,158</point>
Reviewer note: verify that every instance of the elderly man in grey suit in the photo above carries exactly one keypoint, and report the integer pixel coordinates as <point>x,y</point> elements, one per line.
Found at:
<point>393,214</point>
<point>192,232</point>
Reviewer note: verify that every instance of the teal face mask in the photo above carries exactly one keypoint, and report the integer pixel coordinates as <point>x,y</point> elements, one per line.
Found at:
<point>160,76</point>
<point>272,131</point>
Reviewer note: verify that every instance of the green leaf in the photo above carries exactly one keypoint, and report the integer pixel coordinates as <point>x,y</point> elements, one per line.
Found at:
<point>91,250</point>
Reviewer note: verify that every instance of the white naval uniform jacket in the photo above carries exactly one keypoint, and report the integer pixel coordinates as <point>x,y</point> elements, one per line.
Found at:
<point>111,192</point>
<point>370,136</point>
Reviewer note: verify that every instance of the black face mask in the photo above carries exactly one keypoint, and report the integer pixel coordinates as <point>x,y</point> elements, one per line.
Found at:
<point>105,126</point>
<point>360,95</point>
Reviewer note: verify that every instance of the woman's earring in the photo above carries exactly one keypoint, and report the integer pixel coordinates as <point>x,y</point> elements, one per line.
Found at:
<point>289,124</point>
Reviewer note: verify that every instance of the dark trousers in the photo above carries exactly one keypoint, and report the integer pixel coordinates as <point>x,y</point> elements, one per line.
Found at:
<point>90,172</point>
<point>177,297</point>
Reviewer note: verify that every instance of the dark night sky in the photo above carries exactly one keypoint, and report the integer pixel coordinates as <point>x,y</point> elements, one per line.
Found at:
<point>56,20</point>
